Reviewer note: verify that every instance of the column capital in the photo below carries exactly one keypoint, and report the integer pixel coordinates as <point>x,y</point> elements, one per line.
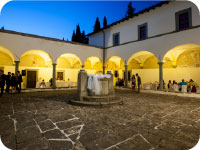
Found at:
<point>160,62</point>
<point>82,66</point>
<point>17,61</point>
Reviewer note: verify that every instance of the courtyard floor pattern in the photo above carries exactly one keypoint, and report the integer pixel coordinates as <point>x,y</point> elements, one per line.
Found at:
<point>145,121</point>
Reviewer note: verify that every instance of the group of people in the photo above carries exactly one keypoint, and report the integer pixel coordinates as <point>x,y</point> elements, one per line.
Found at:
<point>120,82</point>
<point>191,87</point>
<point>12,82</point>
<point>136,79</point>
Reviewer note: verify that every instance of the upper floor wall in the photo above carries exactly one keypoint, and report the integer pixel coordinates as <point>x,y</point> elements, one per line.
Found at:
<point>19,43</point>
<point>160,20</point>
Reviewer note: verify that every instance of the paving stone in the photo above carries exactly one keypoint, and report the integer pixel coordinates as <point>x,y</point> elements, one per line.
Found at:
<point>72,130</point>
<point>27,134</point>
<point>135,143</point>
<point>54,134</point>
<point>74,137</point>
<point>114,148</point>
<point>40,117</point>
<point>166,145</point>
<point>23,123</point>
<point>34,144</point>
<point>46,125</point>
<point>68,124</point>
<point>7,127</point>
<point>103,127</point>
<point>60,117</point>
<point>9,141</point>
<point>60,145</point>
<point>78,146</point>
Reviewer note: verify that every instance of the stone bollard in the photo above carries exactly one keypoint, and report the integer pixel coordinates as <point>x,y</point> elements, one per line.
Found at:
<point>104,85</point>
<point>82,84</point>
<point>110,83</point>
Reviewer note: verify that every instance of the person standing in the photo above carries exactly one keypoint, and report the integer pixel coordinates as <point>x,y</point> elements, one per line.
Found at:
<point>133,82</point>
<point>13,83</point>
<point>8,82</point>
<point>19,81</point>
<point>2,81</point>
<point>138,82</point>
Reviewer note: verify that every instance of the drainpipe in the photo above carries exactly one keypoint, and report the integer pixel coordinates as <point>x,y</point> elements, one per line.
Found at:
<point>104,51</point>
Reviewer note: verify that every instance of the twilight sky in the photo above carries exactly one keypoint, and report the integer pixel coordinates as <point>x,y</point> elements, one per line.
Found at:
<point>58,19</point>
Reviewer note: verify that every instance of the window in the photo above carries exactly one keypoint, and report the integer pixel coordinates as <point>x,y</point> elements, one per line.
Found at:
<point>115,39</point>
<point>142,31</point>
<point>184,19</point>
<point>59,76</point>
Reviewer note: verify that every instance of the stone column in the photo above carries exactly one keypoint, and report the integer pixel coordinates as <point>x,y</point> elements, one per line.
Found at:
<point>110,83</point>
<point>104,69</point>
<point>16,66</point>
<point>54,76</point>
<point>126,75</point>
<point>83,66</point>
<point>160,75</point>
<point>82,84</point>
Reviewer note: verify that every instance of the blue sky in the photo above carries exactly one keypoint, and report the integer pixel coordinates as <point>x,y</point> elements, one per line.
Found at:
<point>58,19</point>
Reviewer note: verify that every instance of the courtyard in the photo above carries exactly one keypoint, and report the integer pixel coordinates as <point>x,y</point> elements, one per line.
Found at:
<point>145,121</point>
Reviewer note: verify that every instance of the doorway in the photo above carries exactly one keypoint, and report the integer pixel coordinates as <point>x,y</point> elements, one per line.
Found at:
<point>31,79</point>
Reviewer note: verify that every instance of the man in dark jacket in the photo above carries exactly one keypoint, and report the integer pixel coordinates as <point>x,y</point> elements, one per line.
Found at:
<point>2,81</point>
<point>19,81</point>
<point>8,82</point>
<point>138,82</point>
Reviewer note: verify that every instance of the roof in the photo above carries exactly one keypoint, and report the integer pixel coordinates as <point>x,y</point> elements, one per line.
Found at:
<point>45,38</point>
<point>135,15</point>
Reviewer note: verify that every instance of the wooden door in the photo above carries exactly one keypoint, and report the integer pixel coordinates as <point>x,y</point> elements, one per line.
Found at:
<point>31,79</point>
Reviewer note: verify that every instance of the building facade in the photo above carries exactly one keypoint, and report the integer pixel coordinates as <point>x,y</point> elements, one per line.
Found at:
<point>160,43</point>
<point>165,34</point>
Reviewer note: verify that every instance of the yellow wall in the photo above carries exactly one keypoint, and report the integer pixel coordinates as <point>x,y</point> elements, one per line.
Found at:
<point>8,69</point>
<point>5,59</point>
<point>152,75</point>
<point>147,75</point>
<point>182,73</point>
<point>42,73</point>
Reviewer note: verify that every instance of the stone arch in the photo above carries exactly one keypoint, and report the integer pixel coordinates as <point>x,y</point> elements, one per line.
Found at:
<point>6,57</point>
<point>36,58</point>
<point>144,63</point>
<point>172,57</point>
<point>115,63</point>
<point>182,62</point>
<point>93,62</point>
<point>69,60</point>
<point>143,59</point>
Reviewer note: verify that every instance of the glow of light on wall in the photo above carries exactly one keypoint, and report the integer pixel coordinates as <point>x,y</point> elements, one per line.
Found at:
<point>6,51</point>
<point>173,54</point>
<point>72,58</point>
<point>140,57</point>
<point>40,53</point>
<point>93,61</point>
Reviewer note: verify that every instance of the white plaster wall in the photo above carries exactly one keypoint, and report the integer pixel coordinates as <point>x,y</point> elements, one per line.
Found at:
<point>19,44</point>
<point>158,46</point>
<point>160,20</point>
<point>96,39</point>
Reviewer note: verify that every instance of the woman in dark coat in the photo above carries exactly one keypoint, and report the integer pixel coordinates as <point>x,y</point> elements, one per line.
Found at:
<point>133,82</point>
<point>13,83</point>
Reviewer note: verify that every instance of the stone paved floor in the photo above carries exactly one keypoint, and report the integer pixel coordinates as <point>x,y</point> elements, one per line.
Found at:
<point>45,121</point>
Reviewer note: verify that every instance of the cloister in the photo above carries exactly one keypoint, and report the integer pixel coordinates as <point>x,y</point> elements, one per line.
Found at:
<point>43,59</point>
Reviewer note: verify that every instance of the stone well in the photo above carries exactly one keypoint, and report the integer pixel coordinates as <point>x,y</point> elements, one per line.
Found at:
<point>88,95</point>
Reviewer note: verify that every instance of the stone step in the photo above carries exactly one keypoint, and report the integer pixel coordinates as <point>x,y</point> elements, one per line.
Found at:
<point>96,104</point>
<point>100,98</point>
